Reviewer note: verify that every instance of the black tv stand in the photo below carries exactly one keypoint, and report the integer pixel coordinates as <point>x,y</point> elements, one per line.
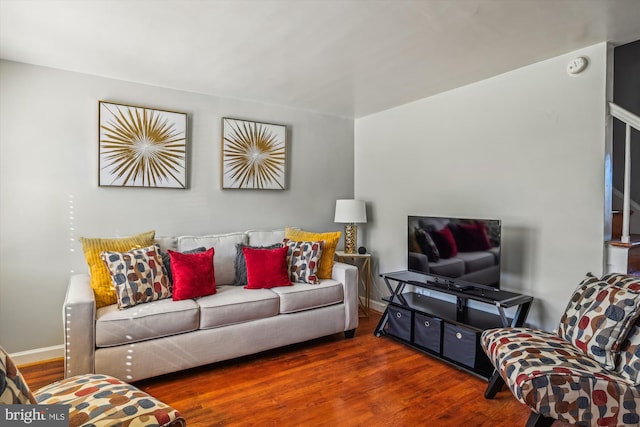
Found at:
<point>445,329</point>
<point>457,287</point>
<point>443,283</point>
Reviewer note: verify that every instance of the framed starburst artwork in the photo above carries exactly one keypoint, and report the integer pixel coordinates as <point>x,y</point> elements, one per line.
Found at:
<point>253,155</point>
<point>141,147</point>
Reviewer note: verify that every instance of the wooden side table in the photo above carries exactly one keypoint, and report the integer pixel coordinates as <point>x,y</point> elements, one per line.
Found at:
<point>363,262</point>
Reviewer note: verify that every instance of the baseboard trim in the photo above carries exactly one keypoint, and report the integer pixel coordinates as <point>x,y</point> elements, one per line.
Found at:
<point>38,355</point>
<point>378,306</point>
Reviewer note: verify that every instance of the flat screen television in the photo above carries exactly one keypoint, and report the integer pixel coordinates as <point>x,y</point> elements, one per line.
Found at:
<point>455,251</point>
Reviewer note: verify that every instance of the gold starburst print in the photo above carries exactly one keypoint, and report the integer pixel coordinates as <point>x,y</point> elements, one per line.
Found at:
<point>253,155</point>
<point>141,147</point>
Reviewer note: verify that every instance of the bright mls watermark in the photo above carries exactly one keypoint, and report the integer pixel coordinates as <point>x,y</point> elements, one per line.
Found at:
<point>34,415</point>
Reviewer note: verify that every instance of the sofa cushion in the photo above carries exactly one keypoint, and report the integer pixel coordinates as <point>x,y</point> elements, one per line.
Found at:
<point>193,274</point>
<point>232,304</point>
<point>100,278</point>
<point>450,267</point>
<point>145,321</point>
<point>475,261</point>
<point>265,237</point>
<point>559,381</point>
<point>167,242</point>
<point>138,275</point>
<point>303,296</point>
<point>225,247</point>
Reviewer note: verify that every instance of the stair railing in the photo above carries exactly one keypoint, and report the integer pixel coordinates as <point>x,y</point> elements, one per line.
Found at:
<point>631,121</point>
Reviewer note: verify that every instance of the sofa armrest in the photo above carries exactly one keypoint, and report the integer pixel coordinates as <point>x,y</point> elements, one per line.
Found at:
<point>418,262</point>
<point>348,275</point>
<point>79,320</point>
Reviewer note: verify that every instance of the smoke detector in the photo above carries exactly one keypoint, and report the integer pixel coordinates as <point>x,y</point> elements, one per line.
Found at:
<point>577,65</point>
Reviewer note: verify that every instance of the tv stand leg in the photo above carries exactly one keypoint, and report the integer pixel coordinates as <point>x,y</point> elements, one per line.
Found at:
<point>382,323</point>
<point>461,308</point>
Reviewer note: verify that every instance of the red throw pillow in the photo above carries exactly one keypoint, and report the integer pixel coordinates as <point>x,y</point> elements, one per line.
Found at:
<point>474,238</point>
<point>193,274</point>
<point>445,242</point>
<point>266,268</point>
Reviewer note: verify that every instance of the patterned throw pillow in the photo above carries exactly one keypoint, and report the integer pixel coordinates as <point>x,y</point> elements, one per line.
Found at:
<point>330,239</point>
<point>427,245</point>
<point>606,315</point>
<point>137,275</point>
<point>100,277</point>
<point>580,301</point>
<point>13,389</point>
<point>303,259</point>
<point>629,365</point>
<point>623,280</point>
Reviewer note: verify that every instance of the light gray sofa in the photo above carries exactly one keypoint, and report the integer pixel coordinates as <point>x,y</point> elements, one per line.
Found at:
<point>164,336</point>
<point>477,267</point>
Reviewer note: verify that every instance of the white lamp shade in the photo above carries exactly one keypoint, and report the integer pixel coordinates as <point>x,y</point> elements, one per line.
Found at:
<point>350,211</point>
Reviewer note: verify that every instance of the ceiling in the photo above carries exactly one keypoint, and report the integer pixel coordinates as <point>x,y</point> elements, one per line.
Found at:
<point>347,58</point>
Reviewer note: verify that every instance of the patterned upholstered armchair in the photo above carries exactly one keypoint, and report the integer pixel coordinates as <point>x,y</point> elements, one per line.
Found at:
<point>96,400</point>
<point>588,373</point>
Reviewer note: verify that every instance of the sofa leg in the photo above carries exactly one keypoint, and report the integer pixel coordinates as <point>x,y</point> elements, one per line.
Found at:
<point>350,333</point>
<point>537,420</point>
<point>495,385</point>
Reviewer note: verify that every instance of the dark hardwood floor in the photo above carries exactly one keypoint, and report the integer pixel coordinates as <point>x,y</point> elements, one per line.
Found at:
<point>364,381</point>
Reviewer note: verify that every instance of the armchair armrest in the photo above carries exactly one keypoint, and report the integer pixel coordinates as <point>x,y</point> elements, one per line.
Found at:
<point>348,275</point>
<point>79,320</point>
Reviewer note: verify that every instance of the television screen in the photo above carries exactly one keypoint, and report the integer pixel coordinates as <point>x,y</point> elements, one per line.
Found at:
<point>460,250</point>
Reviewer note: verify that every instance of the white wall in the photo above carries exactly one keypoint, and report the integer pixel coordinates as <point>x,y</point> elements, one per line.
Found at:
<point>49,194</point>
<point>527,147</point>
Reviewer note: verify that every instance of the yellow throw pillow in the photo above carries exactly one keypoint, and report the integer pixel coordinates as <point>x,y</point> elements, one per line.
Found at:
<point>330,243</point>
<point>100,278</point>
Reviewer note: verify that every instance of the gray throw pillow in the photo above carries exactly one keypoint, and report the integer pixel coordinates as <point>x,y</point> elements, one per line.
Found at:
<point>241,262</point>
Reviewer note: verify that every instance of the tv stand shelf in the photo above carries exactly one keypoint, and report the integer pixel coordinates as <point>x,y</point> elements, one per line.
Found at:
<point>447,329</point>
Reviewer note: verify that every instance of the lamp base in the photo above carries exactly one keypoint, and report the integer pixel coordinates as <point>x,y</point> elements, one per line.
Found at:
<point>350,238</point>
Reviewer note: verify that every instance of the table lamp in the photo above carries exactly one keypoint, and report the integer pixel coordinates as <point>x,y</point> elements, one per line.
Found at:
<point>350,212</point>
